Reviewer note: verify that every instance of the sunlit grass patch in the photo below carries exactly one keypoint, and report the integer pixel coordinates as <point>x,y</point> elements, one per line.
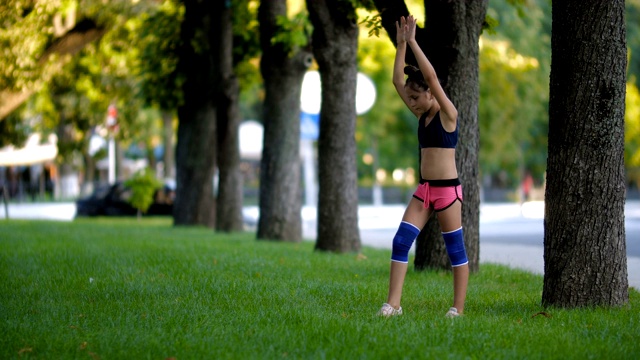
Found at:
<point>120,288</point>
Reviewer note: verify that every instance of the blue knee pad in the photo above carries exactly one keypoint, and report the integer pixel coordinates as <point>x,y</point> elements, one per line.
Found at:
<point>455,247</point>
<point>402,242</point>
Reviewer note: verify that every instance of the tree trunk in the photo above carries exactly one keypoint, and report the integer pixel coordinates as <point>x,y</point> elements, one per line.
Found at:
<point>450,40</point>
<point>168,158</point>
<point>229,201</point>
<point>430,250</point>
<point>452,33</point>
<point>335,43</point>
<point>202,34</point>
<point>584,236</point>
<point>280,190</point>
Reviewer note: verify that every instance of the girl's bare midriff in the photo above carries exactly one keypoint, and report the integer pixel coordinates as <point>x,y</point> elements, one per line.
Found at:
<point>438,164</point>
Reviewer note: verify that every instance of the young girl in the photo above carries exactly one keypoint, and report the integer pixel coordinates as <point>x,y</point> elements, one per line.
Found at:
<point>439,188</point>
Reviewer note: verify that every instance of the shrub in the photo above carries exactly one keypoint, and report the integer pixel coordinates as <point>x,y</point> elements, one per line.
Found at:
<point>143,186</point>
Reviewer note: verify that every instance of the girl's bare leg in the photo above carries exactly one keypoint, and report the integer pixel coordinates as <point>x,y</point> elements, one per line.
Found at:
<point>450,220</point>
<point>396,281</point>
<point>417,215</point>
<point>460,281</point>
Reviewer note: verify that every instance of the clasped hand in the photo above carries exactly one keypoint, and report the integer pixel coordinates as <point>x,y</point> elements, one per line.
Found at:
<point>406,29</point>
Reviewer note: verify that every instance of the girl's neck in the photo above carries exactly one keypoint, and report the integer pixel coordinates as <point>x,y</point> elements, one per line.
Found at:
<point>433,110</point>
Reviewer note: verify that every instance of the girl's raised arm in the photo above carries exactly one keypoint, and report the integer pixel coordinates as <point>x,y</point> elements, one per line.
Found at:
<point>398,65</point>
<point>446,106</point>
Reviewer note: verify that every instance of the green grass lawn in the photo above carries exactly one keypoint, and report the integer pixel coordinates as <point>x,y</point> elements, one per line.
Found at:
<point>123,289</point>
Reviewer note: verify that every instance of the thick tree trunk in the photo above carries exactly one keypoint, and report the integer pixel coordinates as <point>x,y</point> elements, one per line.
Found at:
<point>201,34</point>
<point>169,155</point>
<point>335,42</point>
<point>430,250</point>
<point>450,40</point>
<point>230,185</point>
<point>280,190</point>
<point>584,238</point>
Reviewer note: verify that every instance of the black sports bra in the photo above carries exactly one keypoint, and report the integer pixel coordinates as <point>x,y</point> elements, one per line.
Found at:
<point>434,135</point>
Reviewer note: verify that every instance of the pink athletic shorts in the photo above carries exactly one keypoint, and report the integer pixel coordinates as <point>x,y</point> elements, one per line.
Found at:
<point>439,194</point>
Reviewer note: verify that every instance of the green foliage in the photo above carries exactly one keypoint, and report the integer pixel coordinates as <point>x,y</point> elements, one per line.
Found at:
<point>246,33</point>
<point>363,4</point>
<point>513,110</point>
<point>133,67</point>
<point>123,289</point>
<point>293,33</point>
<point>632,132</point>
<point>73,99</point>
<point>29,28</point>
<point>632,19</point>
<point>489,25</point>
<point>26,29</point>
<point>157,36</point>
<point>13,130</point>
<point>143,185</point>
<point>373,23</point>
<point>519,6</point>
<point>387,130</point>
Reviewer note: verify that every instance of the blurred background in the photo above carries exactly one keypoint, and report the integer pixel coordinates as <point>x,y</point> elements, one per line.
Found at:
<point>89,92</point>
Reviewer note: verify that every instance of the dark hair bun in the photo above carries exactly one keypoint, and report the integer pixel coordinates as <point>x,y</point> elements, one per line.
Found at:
<point>415,76</point>
<point>413,72</point>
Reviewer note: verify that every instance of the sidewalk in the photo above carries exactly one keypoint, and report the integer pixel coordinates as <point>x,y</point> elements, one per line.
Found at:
<point>525,257</point>
<point>531,258</point>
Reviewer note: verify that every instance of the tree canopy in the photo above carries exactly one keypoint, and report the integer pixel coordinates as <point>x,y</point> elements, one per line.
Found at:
<point>121,52</point>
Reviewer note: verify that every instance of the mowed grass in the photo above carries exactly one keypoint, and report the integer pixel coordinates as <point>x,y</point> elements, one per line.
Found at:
<point>124,289</point>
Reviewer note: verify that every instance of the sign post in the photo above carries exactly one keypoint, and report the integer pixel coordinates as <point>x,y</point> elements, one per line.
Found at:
<point>112,126</point>
<point>309,131</point>
<point>310,98</point>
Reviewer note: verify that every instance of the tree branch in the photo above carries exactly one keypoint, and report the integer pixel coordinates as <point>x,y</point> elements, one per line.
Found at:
<point>83,33</point>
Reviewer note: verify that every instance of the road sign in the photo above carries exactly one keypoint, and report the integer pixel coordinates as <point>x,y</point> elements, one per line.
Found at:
<point>309,126</point>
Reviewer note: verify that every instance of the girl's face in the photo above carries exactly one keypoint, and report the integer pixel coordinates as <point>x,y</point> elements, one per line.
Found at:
<point>419,101</point>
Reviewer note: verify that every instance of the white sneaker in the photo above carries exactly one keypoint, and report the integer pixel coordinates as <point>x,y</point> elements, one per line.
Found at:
<point>388,310</point>
<point>453,312</point>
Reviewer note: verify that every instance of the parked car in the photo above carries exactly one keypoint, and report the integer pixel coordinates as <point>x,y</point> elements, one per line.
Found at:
<point>112,200</point>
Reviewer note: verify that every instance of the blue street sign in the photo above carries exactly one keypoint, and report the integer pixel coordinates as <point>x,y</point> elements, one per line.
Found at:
<point>309,126</point>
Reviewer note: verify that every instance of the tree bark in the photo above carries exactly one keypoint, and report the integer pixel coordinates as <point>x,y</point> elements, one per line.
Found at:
<point>201,34</point>
<point>584,237</point>
<point>450,41</point>
<point>230,185</point>
<point>335,42</point>
<point>169,155</point>
<point>452,32</point>
<point>280,184</point>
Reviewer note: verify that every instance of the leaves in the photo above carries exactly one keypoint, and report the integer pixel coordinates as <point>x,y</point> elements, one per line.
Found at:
<point>632,131</point>
<point>157,37</point>
<point>143,185</point>
<point>373,23</point>
<point>293,33</point>
<point>513,114</point>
